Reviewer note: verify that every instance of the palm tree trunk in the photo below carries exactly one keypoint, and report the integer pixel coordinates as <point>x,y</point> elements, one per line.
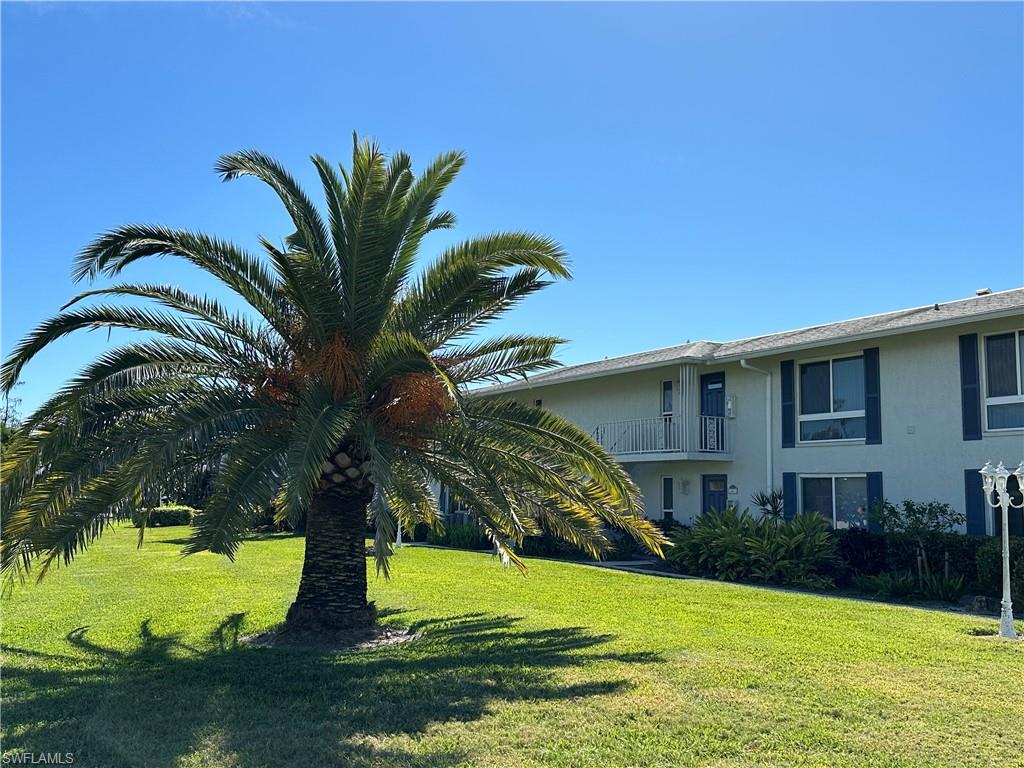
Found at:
<point>332,592</point>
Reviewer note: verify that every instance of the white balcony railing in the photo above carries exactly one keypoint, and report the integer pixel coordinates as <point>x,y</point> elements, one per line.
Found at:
<point>712,434</point>
<point>664,434</point>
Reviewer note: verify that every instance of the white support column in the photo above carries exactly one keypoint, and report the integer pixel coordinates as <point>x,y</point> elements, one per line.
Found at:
<point>688,405</point>
<point>684,433</point>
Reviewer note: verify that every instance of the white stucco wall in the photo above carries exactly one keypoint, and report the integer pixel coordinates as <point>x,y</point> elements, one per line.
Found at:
<point>922,455</point>
<point>637,395</point>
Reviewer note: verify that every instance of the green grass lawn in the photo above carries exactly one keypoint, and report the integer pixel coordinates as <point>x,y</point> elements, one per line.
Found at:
<point>131,658</point>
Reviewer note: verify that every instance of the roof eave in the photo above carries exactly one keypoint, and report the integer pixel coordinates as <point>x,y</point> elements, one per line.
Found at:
<point>528,384</point>
<point>944,323</point>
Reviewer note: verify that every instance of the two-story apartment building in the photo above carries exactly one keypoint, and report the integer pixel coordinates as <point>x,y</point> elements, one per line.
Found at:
<point>906,404</point>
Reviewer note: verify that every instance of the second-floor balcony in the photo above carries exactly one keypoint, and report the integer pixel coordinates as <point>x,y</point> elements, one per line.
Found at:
<point>667,437</point>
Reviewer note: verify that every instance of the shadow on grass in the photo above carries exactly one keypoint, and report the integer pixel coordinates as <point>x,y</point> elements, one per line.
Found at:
<point>163,700</point>
<point>181,541</point>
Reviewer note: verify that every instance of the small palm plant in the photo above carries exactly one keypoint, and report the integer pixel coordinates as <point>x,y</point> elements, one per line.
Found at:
<point>342,395</point>
<point>770,503</point>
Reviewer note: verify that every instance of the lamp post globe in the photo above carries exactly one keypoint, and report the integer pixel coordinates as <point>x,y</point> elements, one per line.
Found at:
<point>994,483</point>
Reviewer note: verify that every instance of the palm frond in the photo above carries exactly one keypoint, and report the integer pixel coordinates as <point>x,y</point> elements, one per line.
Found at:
<point>219,345</point>
<point>245,275</point>
<point>414,221</point>
<point>460,292</point>
<point>340,344</point>
<point>309,225</point>
<point>198,307</point>
<point>253,471</point>
<point>365,228</point>
<point>495,359</point>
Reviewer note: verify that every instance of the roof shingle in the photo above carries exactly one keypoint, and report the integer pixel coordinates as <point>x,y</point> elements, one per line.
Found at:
<point>915,319</point>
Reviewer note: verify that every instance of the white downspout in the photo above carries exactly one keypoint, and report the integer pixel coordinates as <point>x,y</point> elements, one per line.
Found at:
<point>769,476</point>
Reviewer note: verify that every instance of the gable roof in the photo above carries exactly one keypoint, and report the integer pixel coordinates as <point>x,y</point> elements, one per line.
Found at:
<point>905,320</point>
<point>986,306</point>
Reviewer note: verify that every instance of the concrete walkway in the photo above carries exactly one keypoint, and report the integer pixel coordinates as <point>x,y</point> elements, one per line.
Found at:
<point>645,567</point>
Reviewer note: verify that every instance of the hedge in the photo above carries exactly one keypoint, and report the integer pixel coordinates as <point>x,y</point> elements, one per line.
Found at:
<point>990,567</point>
<point>163,516</point>
<point>469,536</point>
<point>869,554</point>
<point>461,536</point>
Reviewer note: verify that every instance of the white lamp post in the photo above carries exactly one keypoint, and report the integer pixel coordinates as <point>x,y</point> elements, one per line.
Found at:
<point>995,480</point>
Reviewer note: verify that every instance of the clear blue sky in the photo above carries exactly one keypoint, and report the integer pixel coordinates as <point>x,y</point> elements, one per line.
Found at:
<point>716,171</point>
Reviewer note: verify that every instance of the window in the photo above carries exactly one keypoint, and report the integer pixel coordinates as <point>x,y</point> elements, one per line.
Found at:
<point>450,504</point>
<point>840,499</point>
<point>1004,374</point>
<point>668,501</point>
<point>538,403</point>
<point>666,398</point>
<point>832,399</point>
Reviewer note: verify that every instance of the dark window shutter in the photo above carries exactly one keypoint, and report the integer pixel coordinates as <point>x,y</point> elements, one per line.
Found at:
<point>788,494</point>
<point>875,496</point>
<point>970,386</point>
<point>872,397</point>
<point>974,503</point>
<point>1015,517</point>
<point>788,405</point>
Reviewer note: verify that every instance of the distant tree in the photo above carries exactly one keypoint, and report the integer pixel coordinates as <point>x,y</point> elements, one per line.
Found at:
<point>10,418</point>
<point>343,394</point>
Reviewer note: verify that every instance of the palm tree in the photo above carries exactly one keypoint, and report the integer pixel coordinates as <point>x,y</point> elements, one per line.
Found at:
<point>343,394</point>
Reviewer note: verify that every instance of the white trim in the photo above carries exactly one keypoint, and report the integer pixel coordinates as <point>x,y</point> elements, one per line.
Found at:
<point>986,401</point>
<point>883,314</point>
<point>830,415</point>
<point>527,383</point>
<point>832,476</point>
<point>836,441</point>
<point>996,314</point>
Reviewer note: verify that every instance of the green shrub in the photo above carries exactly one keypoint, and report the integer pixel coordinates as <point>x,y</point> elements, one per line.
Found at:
<point>733,546</point>
<point>547,545</point>
<point>887,586</point>
<point>941,587</point>
<point>862,552</point>
<point>682,555</point>
<point>989,565</point>
<point>925,524</point>
<point>624,547</point>
<point>272,518</point>
<point>794,551</point>
<point>460,536</point>
<point>958,550</point>
<point>163,516</point>
<point>719,543</point>
<point>868,553</point>
<point>901,585</point>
